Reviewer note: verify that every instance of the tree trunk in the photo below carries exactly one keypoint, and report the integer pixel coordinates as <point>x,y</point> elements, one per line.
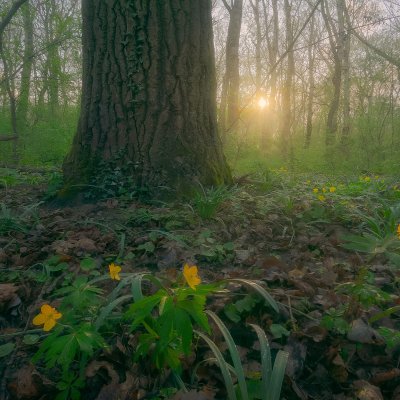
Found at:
<point>287,115</point>
<point>272,37</point>
<point>230,107</point>
<point>148,101</point>
<point>336,40</point>
<point>23,100</point>
<point>346,87</point>
<point>311,83</point>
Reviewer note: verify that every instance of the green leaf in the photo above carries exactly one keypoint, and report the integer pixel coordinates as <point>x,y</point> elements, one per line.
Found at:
<point>141,309</point>
<point>223,365</point>
<point>234,354</point>
<point>6,349</point>
<point>30,339</point>
<point>232,313</point>
<point>59,267</point>
<point>245,304</point>
<point>229,246</point>
<point>183,325</point>
<point>278,331</point>
<point>195,308</point>
<point>88,264</point>
<point>148,247</point>
<point>106,311</point>
<point>259,289</point>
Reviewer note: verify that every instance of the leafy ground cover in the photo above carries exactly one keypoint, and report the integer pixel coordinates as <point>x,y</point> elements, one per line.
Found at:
<point>103,301</point>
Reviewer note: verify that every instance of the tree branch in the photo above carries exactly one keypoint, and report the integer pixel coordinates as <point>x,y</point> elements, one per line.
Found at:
<point>384,55</point>
<point>7,138</point>
<point>11,12</point>
<point>228,7</point>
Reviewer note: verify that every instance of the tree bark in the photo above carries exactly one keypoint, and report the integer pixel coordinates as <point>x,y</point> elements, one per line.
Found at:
<point>311,83</point>
<point>148,102</point>
<point>287,115</point>
<point>272,37</point>
<point>23,99</point>
<point>229,109</point>
<point>346,85</point>
<point>7,76</point>
<point>336,35</point>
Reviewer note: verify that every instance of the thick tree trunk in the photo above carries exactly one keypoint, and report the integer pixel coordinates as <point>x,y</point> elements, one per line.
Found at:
<point>148,102</point>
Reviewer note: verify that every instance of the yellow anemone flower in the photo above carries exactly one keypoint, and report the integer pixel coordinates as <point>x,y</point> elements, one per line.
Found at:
<point>332,189</point>
<point>315,190</point>
<point>191,275</point>
<point>48,317</point>
<point>321,197</point>
<point>114,271</point>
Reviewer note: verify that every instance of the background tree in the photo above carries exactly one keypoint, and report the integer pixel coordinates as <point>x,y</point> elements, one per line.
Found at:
<point>229,107</point>
<point>148,101</point>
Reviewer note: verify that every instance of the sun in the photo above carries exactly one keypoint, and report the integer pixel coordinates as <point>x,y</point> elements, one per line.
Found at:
<point>262,103</point>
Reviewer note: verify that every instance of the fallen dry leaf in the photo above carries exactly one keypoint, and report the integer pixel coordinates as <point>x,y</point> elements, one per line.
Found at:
<point>365,391</point>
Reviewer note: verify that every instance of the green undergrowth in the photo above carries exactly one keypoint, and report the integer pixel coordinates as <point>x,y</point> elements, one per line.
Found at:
<point>268,234</point>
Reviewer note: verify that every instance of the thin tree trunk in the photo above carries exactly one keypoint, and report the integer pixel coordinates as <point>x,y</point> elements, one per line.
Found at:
<point>346,86</point>
<point>232,78</point>
<point>311,83</point>
<point>336,35</point>
<point>7,77</point>
<point>273,45</point>
<point>23,100</point>
<point>287,113</point>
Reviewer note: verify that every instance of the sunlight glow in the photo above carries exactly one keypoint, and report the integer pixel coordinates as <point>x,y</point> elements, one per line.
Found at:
<point>262,103</point>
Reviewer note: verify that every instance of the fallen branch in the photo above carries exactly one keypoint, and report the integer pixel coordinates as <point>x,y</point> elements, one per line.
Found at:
<point>8,138</point>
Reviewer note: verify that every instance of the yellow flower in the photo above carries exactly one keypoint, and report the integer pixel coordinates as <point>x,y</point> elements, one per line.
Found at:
<point>332,189</point>
<point>47,317</point>
<point>398,231</point>
<point>114,271</point>
<point>315,190</point>
<point>321,197</point>
<point>324,190</point>
<point>191,276</point>
<point>367,179</point>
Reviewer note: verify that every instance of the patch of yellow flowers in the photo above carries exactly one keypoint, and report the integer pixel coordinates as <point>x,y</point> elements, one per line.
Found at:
<point>321,197</point>
<point>48,315</point>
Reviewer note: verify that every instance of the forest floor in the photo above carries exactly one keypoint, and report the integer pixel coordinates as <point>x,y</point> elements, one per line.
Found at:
<point>326,249</point>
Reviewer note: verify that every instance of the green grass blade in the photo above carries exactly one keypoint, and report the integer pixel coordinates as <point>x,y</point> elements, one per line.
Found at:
<point>277,376</point>
<point>237,363</point>
<point>266,363</point>
<point>106,311</point>
<point>222,365</point>
<point>259,289</point>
